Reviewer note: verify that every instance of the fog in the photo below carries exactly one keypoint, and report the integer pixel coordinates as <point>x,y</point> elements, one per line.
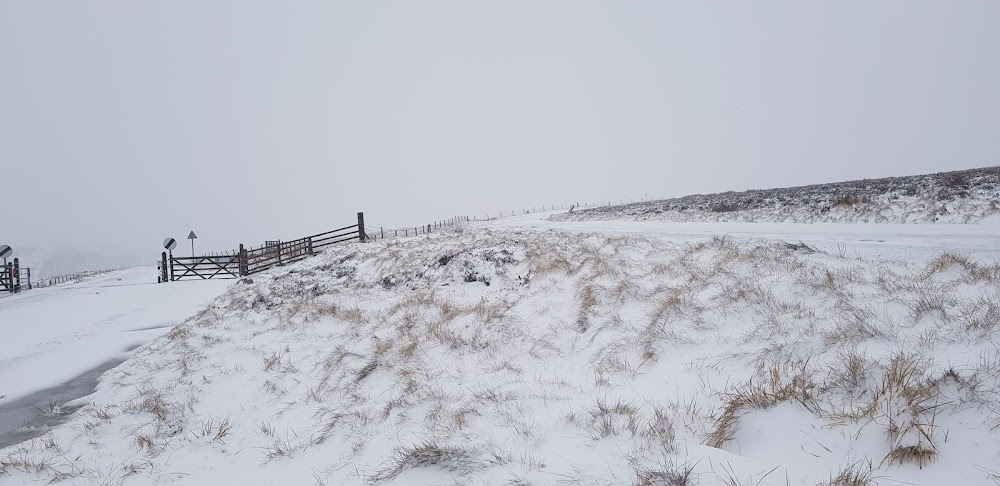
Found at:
<point>125,122</point>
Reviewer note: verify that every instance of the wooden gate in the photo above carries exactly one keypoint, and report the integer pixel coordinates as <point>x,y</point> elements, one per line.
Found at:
<point>204,267</point>
<point>6,278</point>
<point>13,278</point>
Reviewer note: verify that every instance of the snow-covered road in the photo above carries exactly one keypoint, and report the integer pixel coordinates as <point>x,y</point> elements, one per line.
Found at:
<point>870,236</point>
<point>53,334</point>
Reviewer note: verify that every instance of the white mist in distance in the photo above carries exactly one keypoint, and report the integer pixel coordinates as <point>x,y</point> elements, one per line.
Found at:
<point>122,123</point>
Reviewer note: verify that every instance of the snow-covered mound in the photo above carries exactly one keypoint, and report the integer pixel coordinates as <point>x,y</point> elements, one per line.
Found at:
<point>970,196</point>
<point>521,357</point>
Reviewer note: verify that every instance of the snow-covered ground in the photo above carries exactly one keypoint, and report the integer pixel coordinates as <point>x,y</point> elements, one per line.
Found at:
<point>532,352</point>
<point>55,334</point>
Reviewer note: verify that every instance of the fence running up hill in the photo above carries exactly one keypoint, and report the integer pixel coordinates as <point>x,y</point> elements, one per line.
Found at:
<point>248,261</point>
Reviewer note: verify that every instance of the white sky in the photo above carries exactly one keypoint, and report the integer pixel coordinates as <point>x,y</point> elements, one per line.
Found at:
<point>124,122</point>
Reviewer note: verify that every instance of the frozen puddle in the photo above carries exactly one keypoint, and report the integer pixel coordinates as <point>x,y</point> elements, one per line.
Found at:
<point>33,415</point>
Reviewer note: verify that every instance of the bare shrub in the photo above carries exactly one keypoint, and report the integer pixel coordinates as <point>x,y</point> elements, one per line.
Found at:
<point>852,199</point>
<point>724,208</point>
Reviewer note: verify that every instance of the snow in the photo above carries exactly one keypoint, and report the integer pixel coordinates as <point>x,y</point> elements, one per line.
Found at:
<point>942,236</point>
<point>529,351</point>
<point>52,334</point>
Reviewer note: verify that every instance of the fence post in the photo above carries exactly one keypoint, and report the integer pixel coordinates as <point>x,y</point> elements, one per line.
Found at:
<point>381,232</point>
<point>361,227</point>
<point>16,276</point>
<point>244,265</point>
<point>163,268</point>
<point>309,245</point>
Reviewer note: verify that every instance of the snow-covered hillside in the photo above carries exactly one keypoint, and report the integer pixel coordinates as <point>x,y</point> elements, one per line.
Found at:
<point>970,196</point>
<point>491,354</point>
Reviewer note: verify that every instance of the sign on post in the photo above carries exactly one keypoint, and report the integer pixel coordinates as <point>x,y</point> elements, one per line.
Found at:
<point>5,251</point>
<point>192,237</point>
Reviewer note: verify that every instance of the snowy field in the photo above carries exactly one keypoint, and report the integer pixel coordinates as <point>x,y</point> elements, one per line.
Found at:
<point>530,352</point>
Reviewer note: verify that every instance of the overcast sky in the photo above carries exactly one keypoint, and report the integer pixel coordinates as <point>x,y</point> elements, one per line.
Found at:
<point>124,122</point>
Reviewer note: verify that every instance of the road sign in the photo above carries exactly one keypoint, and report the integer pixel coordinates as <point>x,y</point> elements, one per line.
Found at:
<point>5,251</point>
<point>192,236</point>
<point>170,243</point>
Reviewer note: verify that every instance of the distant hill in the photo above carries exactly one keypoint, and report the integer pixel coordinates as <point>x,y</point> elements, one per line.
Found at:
<point>968,196</point>
<point>52,262</point>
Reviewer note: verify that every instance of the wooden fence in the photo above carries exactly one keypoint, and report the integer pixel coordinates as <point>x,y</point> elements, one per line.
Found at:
<point>248,261</point>
<point>14,278</point>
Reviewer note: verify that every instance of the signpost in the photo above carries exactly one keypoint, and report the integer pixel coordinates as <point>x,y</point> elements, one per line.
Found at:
<point>5,251</point>
<point>192,237</point>
<point>169,244</point>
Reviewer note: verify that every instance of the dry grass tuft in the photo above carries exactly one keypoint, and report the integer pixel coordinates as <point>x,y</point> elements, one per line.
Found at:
<point>859,474</point>
<point>667,476</point>
<point>774,388</point>
<point>217,430</point>
<point>426,454</point>
<point>918,454</point>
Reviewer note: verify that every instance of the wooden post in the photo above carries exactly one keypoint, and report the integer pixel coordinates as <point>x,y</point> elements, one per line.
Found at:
<point>309,245</point>
<point>244,264</point>
<point>381,232</point>
<point>16,276</point>
<point>163,268</point>
<point>361,227</point>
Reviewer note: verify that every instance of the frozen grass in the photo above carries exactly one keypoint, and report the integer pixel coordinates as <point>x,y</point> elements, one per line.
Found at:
<point>482,356</point>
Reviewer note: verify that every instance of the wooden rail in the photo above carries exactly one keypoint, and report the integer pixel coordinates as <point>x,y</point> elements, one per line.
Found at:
<point>248,261</point>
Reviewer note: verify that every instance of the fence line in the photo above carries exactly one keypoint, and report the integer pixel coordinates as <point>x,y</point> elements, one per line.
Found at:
<point>248,261</point>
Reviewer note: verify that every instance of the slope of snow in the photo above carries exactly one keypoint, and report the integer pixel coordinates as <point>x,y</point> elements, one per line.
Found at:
<point>490,354</point>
